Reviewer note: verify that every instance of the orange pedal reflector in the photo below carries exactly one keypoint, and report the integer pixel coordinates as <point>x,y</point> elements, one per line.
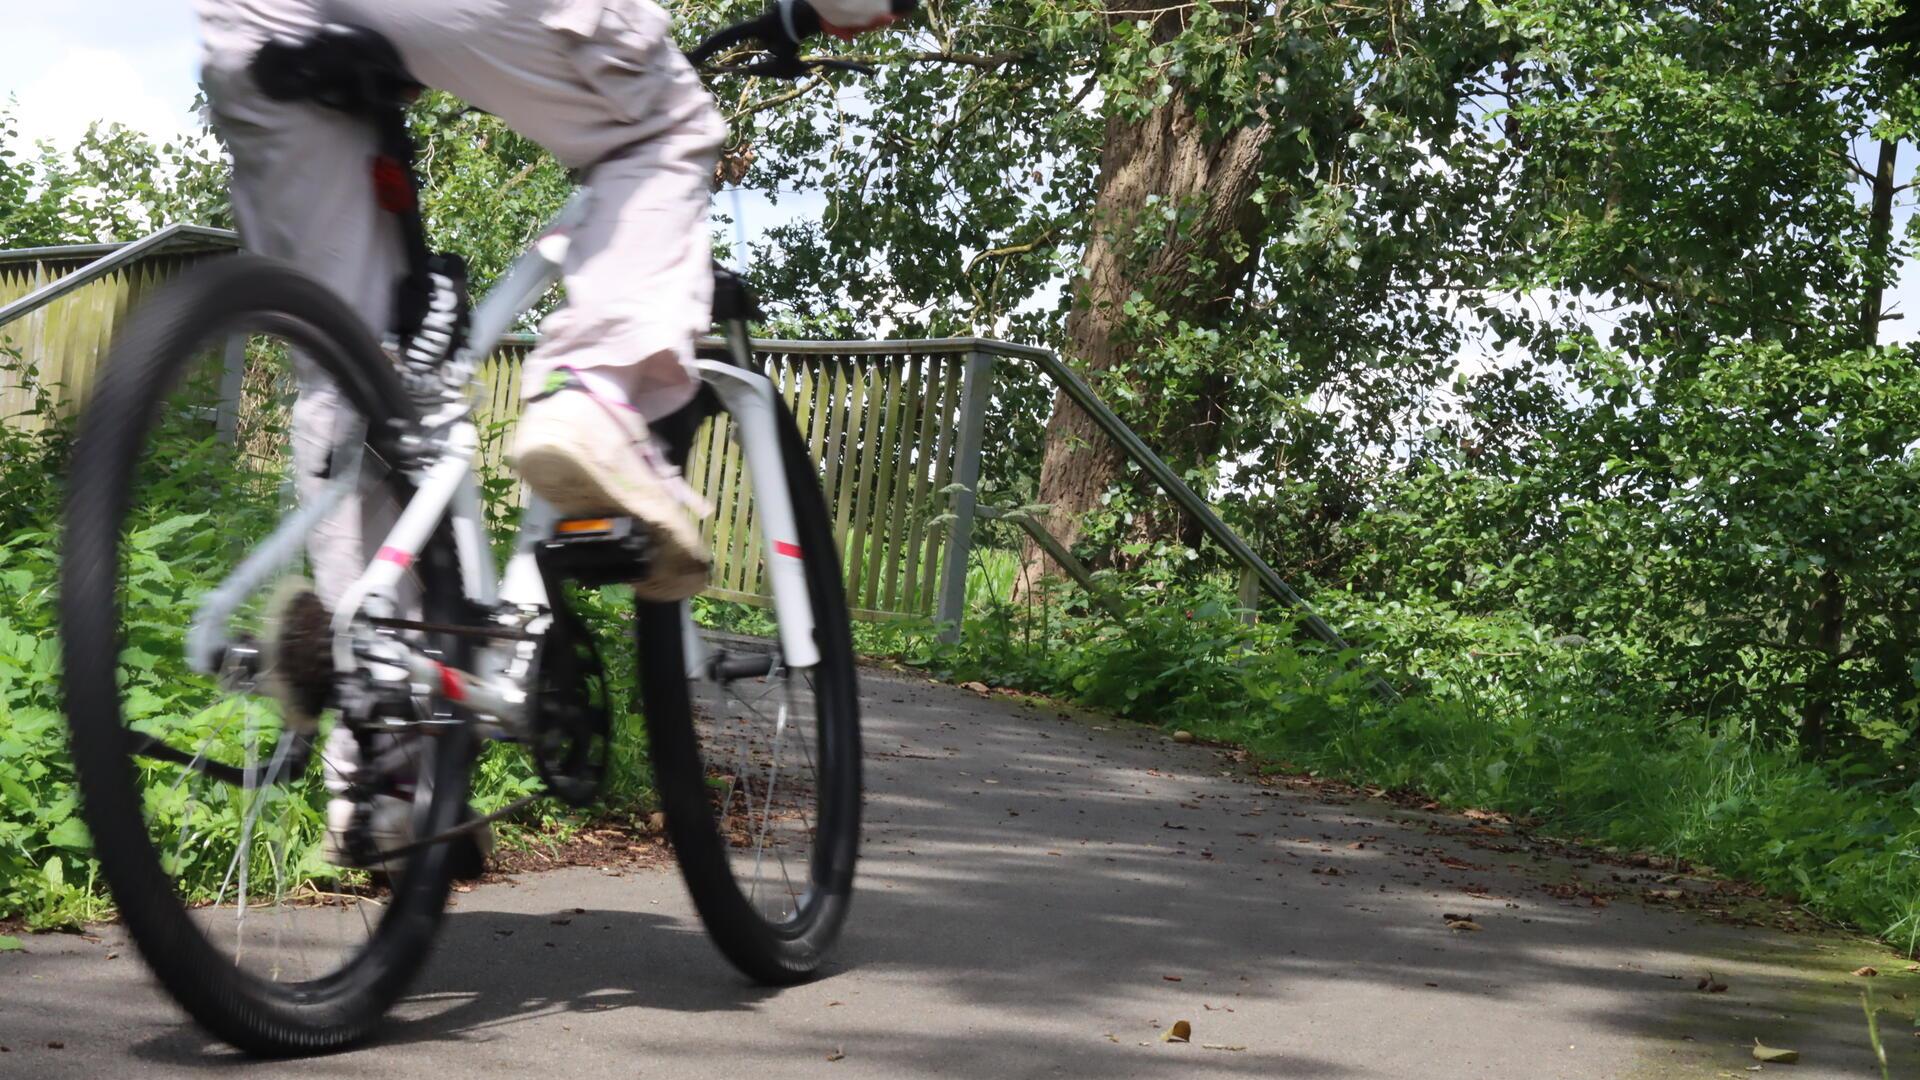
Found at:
<point>584,525</point>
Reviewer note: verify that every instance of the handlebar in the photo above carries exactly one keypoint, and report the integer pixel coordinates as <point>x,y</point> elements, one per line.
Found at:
<point>778,32</point>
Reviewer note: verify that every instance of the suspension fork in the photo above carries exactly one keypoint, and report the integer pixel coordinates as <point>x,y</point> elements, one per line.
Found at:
<point>750,401</point>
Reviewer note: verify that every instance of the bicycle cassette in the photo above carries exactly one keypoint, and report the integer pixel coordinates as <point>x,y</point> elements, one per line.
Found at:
<point>296,654</point>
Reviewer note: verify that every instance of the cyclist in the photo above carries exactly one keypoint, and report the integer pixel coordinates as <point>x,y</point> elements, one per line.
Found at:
<point>601,85</point>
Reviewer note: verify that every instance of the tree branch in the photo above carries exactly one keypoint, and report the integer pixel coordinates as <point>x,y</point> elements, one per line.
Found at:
<point>1011,249</point>
<point>778,99</point>
<point>976,60</point>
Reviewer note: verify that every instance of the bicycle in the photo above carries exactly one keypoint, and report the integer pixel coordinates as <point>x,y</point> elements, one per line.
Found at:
<point>429,655</point>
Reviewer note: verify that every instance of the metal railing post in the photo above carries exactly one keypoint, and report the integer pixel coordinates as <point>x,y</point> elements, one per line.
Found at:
<point>226,417</point>
<point>975,389</point>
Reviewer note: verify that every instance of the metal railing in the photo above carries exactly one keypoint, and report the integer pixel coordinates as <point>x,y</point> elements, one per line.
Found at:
<point>1130,443</point>
<point>112,257</point>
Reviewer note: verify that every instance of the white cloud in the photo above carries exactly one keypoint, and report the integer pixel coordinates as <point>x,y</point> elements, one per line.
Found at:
<point>58,107</point>
<point>130,61</point>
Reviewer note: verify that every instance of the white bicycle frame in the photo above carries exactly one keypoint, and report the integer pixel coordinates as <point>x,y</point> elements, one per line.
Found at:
<point>447,488</point>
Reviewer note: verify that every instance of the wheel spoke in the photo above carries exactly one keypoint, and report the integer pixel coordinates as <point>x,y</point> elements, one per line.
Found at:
<point>764,808</point>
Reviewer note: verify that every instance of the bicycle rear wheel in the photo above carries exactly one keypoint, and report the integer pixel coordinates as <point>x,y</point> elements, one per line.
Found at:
<point>203,793</point>
<point>757,762</point>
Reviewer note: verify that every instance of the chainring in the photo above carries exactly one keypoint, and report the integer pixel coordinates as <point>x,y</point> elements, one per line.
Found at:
<point>571,734</point>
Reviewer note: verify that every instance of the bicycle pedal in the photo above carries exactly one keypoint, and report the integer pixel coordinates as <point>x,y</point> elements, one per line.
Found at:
<point>595,551</point>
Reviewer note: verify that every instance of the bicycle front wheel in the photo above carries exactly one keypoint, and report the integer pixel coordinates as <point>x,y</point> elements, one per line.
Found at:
<point>204,792</point>
<point>757,761</point>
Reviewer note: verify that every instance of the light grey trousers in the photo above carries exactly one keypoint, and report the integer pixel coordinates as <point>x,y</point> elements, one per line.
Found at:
<point>599,83</point>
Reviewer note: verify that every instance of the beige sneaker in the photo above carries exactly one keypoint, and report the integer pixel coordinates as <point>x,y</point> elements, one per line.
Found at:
<point>588,457</point>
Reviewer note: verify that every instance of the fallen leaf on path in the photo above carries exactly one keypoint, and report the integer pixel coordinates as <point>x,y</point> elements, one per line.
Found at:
<point>656,821</point>
<point>836,1055</point>
<point>1463,924</point>
<point>56,1045</point>
<point>9,943</point>
<point>977,687</point>
<point>1773,1055</point>
<point>1183,736</point>
<point>1221,1046</point>
<point>1710,984</point>
<point>1664,894</point>
<point>1171,978</point>
<point>1867,972</point>
<point>1181,1031</point>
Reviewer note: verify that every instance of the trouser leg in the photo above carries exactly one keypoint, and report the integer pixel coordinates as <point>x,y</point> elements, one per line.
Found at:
<point>601,84</point>
<point>302,192</point>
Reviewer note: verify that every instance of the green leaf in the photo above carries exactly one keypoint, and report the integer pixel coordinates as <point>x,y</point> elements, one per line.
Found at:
<point>70,834</point>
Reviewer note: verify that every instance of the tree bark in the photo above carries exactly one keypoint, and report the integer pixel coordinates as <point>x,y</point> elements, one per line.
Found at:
<point>1829,621</point>
<point>1879,236</point>
<point>1829,614</point>
<point>1189,273</point>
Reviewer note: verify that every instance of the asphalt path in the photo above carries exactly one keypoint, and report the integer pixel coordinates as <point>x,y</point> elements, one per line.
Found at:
<point>1044,894</point>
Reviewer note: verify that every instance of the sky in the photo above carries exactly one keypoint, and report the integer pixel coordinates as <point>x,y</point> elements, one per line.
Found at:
<point>68,64</point>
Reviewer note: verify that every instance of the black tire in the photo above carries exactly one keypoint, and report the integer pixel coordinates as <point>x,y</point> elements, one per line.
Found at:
<point>791,951</point>
<point>153,351</point>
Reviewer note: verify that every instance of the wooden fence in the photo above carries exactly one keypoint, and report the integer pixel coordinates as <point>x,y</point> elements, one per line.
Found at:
<point>894,429</point>
<point>888,426</point>
<point>59,343</point>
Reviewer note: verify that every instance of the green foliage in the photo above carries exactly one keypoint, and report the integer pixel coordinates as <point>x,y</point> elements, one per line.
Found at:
<point>1747,528</point>
<point>199,507</point>
<point>116,184</point>
<point>487,192</point>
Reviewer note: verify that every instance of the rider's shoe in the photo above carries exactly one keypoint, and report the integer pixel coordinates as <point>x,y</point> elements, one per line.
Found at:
<point>587,455</point>
<point>389,828</point>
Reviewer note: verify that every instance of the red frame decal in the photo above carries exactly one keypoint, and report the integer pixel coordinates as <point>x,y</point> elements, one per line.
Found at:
<point>782,547</point>
<point>450,687</point>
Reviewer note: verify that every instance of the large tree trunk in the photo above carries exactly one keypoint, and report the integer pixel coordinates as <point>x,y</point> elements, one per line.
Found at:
<point>1190,274</point>
<point>1879,233</point>
<point>1829,615</point>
